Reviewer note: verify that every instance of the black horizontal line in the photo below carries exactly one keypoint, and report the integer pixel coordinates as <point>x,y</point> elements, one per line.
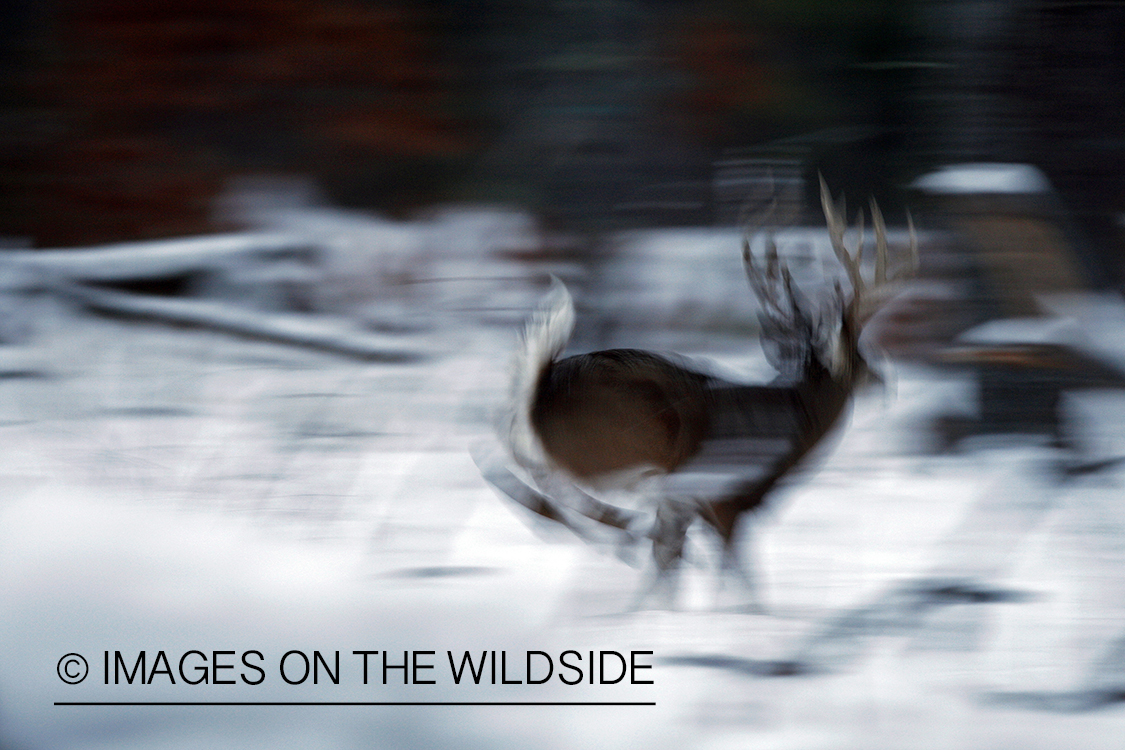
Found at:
<point>355,703</point>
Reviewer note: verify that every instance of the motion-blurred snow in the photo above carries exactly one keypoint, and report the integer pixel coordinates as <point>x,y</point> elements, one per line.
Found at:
<point>183,488</point>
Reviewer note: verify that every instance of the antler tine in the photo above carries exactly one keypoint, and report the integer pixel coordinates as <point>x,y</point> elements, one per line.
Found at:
<point>772,263</point>
<point>860,226</point>
<point>834,218</point>
<point>880,244</point>
<point>885,281</point>
<point>883,274</point>
<point>771,279</point>
<point>797,301</point>
<point>758,284</point>
<point>751,272</point>
<point>914,261</point>
<point>753,275</point>
<point>764,282</point>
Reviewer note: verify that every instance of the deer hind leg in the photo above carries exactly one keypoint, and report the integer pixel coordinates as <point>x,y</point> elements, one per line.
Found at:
<point>669,534</point>
<point>621,527</point>
<point>589,519</point>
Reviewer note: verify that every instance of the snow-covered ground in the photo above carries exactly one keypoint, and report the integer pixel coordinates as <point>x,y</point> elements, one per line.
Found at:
<point>181,489</point>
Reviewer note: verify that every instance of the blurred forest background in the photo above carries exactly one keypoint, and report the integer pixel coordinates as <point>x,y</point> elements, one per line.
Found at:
<point>123,119</point>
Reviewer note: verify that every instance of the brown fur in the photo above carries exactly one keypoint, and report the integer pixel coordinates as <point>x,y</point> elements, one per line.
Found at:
<point>620,410</point>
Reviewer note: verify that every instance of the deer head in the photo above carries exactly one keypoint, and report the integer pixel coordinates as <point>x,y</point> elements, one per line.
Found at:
<point>798,331</point>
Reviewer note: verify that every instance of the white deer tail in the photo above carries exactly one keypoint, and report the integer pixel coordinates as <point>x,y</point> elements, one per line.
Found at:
<point>543,339</point>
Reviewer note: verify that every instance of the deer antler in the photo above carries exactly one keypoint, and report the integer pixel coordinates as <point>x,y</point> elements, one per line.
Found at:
<point>866,300</point>
<point>773,285</point>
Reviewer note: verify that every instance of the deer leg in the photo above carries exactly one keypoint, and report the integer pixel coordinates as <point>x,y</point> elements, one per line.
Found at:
<point>669,536</point>
<point>494,469</point>
<point>736,570</point>
<point>724,516</point>
<point>496,473</point>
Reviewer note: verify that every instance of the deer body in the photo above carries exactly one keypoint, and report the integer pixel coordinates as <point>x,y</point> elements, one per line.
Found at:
<point>619,412</point>
<point>715,447</point>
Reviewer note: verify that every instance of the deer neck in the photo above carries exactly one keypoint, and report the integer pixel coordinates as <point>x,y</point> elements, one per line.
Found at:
<point>824,394</point>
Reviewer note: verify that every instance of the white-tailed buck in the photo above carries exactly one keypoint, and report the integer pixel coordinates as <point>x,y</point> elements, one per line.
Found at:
<point>703,446</point>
